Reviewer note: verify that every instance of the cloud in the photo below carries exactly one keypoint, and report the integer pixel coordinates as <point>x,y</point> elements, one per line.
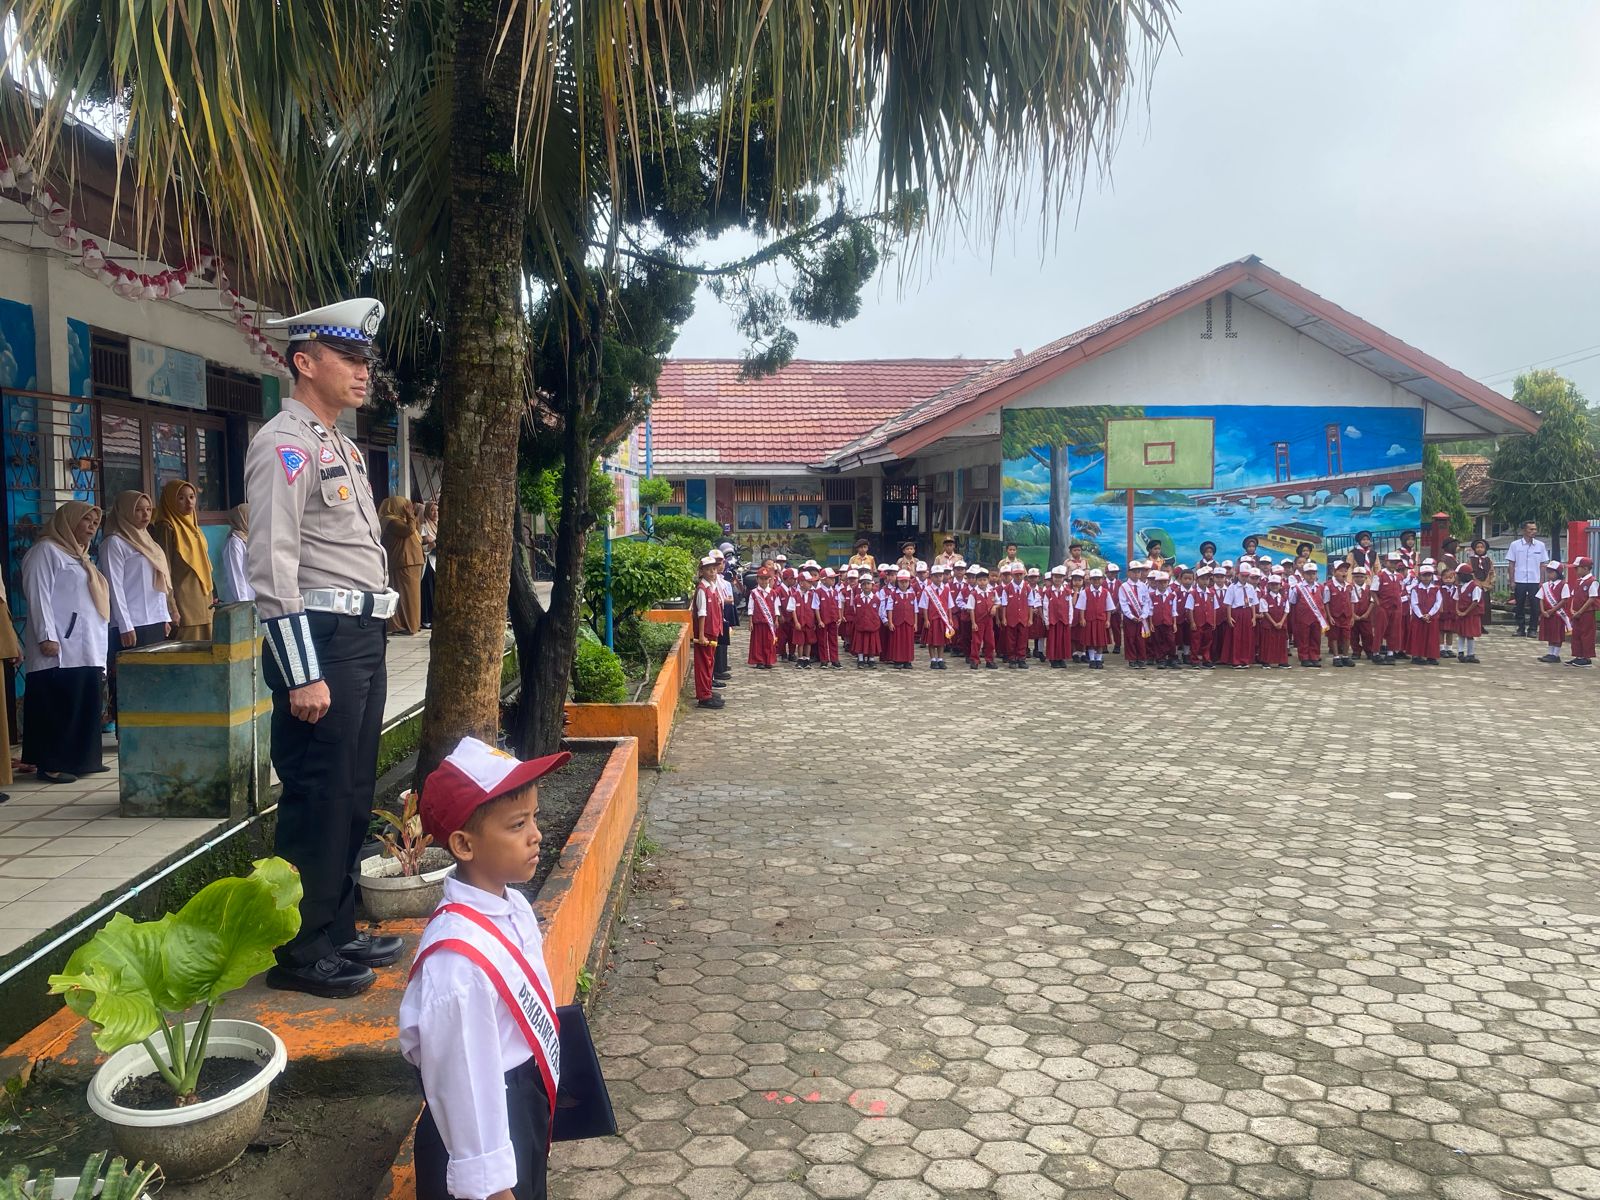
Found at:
<point>1350,431</point>
<point>1396,450</point>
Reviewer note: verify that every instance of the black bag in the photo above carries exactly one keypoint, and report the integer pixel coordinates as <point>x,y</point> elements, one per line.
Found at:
<point>583,1106</point>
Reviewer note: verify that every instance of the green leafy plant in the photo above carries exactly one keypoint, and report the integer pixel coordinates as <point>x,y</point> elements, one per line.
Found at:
<point>697,533</point>
<point>653,491</point>
<point>643,574</point>
<point>585,981</point>
<point>134,979</point>
<point>119,1184</point>
<point>597,676</point>
<point>402,836</point>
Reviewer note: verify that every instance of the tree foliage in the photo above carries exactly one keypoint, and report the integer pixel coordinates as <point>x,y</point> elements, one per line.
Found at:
<point>643,574</point>
<point>653,491</point>
<point>1552,476</point>
<point>1440,493</point>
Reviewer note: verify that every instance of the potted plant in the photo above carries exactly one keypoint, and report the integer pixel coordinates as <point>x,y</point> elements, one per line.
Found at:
<point>407,878</point>
<point>186,1095</point>
<point>119,1183</point>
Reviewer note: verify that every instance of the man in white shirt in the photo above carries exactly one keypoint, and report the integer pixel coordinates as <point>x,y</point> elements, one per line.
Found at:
<point>1525,557</point>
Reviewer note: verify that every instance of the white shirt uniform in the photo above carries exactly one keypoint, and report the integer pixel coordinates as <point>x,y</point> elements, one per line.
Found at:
<point>458,1032</point>
<point>1527,560</point>
<point>60,610</point>
<point>134,599</point>
<point>234,569</point>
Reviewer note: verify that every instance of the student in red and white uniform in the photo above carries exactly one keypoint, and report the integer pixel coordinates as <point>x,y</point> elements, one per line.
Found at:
<point>1583,599</point>
<point>1468,600</point>
<point>1112,580</point>
<point>1018,615</point>
<point>788,583</point>
<point>1202,609</point>
<point>938,619</point>
<point>1093,626</point>
<point>899,610</point>
<point>1310,615</point>
<point>1133,604</point>
<point>1185,585</point>
<point>1365,614</point>
<point>1058,616</point>
<point>1272,622</point>
<point>1241,604</point>
<point>1393,602</point>
<point>803,617</point>
<point>705,615</point>
<point>1036,602</point>
<point>490,1068</point>
<point>866,622</point>
<point>982,619</point>
<point>1427,601</point>
<point>1165,604</point>
<point>1555,622</point>
<point>1339,604</point>
<point>763,609</point>
<point>960,609</point>
<point>828,616</point>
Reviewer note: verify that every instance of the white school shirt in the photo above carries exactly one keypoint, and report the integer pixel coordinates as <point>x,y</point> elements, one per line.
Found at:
<point>1527,560</point>
<point>134,599</point>
<point>458,1032</point>
<point>60,610</point>
<point>233,569</point>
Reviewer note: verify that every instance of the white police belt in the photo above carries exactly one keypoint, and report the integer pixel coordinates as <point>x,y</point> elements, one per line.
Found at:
<point>346,603</point>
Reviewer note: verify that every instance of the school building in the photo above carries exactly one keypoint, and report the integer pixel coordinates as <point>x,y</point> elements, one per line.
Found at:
<point>1237,404</point>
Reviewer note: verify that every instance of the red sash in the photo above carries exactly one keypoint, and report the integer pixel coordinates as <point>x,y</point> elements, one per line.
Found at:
<point>524,996</point>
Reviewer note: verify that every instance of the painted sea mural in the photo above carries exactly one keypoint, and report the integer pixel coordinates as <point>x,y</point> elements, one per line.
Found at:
<point>1285,474</point>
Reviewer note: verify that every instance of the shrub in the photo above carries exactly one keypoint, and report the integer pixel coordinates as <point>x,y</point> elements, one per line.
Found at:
<point>640,641</point>
<point>597,676</point>
<point>654,491</point>
<point>643,574</point>
<point>694,534</point>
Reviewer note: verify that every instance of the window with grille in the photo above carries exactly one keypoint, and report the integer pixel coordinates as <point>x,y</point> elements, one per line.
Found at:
<point>903,492</point>
<point>110,373</point>
<point>677,494</point>
<point>839,491</point>
<point>229,391</point>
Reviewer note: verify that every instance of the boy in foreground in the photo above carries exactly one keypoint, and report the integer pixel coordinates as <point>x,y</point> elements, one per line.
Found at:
<point>478,1019</point>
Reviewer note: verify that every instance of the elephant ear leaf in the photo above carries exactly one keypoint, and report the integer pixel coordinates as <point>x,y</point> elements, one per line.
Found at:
<point>225,934</point>
<point>117,981</point>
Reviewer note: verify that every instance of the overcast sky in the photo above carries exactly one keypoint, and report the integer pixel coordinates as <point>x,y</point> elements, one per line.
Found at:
<point>1432,167</point>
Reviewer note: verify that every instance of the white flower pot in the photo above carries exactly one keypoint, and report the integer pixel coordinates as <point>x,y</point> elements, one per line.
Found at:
<point>66,1189</point>
<point>388,895</point>
<point>200,1139</point>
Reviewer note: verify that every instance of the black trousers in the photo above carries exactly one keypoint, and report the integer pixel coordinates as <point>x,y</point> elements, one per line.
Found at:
<point>1527,610</point>
<point>528,1114</point>
<point>328,771</point>
<point>61,719</point>
<point>429,576</point>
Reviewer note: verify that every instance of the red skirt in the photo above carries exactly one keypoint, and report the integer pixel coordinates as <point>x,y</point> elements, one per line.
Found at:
<point>1058,642</point>
<point>1272,645</point>
<point>1425,638</point>
<point>1470,624</point>
<point>763,645</point>
<point>1094,633</point>
<point>1036,628</point>
<point>902,644</point>
<point>1242,645</point>
<point>864,641</point>
<point>1552,631</point>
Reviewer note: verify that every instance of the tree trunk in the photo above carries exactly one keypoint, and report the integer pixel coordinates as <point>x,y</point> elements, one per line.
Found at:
<point>1060,504</point>
<point>482,392</point>
<point>546,667</point>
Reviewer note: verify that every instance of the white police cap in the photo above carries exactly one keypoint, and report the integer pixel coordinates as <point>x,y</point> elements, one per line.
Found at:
<point>349,321</point>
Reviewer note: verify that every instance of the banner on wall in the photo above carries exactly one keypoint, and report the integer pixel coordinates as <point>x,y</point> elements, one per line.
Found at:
<point>168,375</point>
<point>626,468</point>
<point>1286,475</point>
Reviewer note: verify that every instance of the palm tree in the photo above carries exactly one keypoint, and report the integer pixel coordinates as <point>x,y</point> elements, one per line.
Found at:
<point>465,153</point>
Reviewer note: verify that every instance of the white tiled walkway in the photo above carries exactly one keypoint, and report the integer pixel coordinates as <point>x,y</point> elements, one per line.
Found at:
<point>63,846</point>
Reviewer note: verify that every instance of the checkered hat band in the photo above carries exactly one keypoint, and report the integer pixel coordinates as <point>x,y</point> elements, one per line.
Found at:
<point>338,331</point>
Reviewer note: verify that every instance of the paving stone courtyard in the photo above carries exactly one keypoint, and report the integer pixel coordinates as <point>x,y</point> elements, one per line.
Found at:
<point>1021,936</point>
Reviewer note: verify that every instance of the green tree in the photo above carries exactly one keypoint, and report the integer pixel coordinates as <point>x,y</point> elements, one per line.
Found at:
<point>1440,493</point>
<point>1552,476</point>
<point>1048,435</point>
<point>467,156</point>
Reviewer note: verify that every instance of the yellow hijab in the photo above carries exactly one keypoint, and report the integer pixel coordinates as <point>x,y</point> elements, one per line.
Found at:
<point>59,531</point>
<point>187,539</point>
<point>120,522</point>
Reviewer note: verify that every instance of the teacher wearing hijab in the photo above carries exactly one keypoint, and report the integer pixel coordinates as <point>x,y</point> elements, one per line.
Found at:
<point>402,542</point>
<point>64,647</point>
<point>177,532</point>
<point>136,568</point>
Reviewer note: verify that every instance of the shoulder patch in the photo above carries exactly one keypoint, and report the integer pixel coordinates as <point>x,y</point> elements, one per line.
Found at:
<point>294,461</point>
<point>326,456</point>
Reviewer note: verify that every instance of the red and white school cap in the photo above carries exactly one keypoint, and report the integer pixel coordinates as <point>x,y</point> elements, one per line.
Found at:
<point>1033,572</point>
<point>474,774</point>
<point>1553,565</point>
<point>1582,562</point>
<point>1097,573</point>
<point>902,573</point>
<point>1310,566</point>
<point>1111,569</point>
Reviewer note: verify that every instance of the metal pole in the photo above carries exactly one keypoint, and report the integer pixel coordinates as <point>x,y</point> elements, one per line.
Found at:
<point>611,642</point>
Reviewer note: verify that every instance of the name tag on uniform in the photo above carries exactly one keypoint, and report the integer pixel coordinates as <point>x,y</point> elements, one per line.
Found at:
<point>333,473</point>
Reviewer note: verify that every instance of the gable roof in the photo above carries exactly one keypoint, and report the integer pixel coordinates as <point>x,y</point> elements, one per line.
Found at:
<point>1472,478</point>
<point>1249,279</point>
<point>705,413</point>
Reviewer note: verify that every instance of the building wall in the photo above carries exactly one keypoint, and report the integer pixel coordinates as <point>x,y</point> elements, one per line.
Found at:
<point>1292,443</point>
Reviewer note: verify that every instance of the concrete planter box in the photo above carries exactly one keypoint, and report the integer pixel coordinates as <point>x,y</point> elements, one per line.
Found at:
<point>650,721</point>
<point>572,899</point>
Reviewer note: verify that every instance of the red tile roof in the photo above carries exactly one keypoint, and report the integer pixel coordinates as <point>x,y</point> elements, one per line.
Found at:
<point>1472,478</point>
<point>704,412</point>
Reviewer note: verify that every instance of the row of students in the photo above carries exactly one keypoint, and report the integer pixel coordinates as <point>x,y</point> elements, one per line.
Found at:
<point>1567,611</point>
<point>1217,613</point>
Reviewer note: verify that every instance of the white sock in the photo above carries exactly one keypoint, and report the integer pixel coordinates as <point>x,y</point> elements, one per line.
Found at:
<point>1555,649</point>
<point>1466,646</point>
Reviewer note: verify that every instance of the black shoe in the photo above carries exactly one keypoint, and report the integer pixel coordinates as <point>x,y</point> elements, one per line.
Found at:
<point>333,977</point>
<point>722,675</point>
<point>101,769</point>
<point>714,702</point>
<point>4,796</point>
<point>1447,654</point>
<point>1550,658</point>
<point>972,665</point>
<point>836,666</point>
<point>991,666</point>
<point>55,777</point>
<point>717,683</point>
<point>369,950</point>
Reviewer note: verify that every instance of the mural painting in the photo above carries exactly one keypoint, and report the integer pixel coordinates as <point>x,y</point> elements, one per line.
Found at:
<point>1284,474</point>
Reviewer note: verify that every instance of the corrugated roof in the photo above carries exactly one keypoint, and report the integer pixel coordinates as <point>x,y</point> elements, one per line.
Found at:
<point>1472,478</point>
<point>705,412</point>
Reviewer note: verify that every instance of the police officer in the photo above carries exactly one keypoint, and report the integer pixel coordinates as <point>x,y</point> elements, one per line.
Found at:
<point>320,577</point>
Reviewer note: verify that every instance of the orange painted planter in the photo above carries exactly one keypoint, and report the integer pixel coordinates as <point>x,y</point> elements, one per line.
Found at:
<point>668,616</point>
<point>650,721</point>
<point>573,896</point>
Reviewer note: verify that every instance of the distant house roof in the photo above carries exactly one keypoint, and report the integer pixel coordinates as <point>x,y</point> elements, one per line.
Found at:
<point>1472,478</point>
<point>903,434</point>
<point>705,415</point>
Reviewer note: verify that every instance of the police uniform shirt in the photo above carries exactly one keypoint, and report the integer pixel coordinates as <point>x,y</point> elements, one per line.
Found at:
<point>459,1033</point>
